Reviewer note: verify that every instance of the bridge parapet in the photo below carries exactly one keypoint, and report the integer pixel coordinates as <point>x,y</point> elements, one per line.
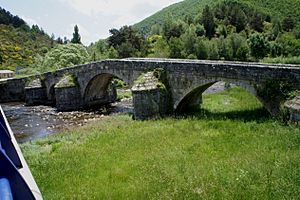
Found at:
<point>187,79</point>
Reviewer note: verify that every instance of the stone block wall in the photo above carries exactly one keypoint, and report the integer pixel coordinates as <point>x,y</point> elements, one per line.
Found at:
<point>150,96</point>
<point>68,98</point>
<point>12,90</point>
<point>35,96</point>
<point>150,104</point>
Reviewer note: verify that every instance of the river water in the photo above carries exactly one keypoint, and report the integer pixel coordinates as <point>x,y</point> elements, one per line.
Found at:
<point>32,122</point>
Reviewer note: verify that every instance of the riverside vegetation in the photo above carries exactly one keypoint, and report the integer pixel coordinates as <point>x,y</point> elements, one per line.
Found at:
<point>229,149</point>
<point>237,30</point>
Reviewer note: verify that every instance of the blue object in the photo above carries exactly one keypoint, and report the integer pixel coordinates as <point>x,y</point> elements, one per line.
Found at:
<point>5,190</point>
<point>19,188</point>
<point>7,145</point>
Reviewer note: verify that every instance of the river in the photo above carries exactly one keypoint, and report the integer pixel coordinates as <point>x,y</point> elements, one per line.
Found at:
<point>33,122</point>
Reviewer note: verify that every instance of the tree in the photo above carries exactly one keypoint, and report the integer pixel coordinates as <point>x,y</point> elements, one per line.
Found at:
<point>288,23</point>
<point>66,40</point>
<point>128,42</point>
<point>158,47</point>
<point>201,49</point>
<point>76,37</point>
<point>208,22</point>
<point>256,22</point>
<point>189,39</point>
<point>259,46</point>
<point>63,56</point>
<point>176,47</point>
<point>59,40</point>
<point>172,28</point>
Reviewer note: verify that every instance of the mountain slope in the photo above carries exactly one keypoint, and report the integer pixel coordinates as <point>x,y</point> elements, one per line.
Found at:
<point>19,44</point>
<point>278,8</point>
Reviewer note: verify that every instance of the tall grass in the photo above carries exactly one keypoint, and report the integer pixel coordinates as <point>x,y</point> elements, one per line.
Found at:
<point>231,150</point>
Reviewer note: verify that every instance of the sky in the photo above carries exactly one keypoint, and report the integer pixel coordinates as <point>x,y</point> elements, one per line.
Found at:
<point>93,17</point>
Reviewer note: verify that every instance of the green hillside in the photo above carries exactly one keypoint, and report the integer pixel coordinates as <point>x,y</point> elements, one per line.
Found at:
<point>19,43</point>
<point>278,8</point>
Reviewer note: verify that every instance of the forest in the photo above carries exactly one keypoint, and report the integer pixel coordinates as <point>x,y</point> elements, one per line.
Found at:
<point>222,30</point>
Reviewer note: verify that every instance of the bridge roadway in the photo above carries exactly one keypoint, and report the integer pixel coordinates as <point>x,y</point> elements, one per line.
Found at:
<point>186,80</point>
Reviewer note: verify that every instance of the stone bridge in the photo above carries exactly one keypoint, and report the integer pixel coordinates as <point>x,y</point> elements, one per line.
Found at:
<point>159,86</point>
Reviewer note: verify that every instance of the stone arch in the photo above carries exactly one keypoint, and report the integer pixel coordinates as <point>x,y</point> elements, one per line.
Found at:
<point>193,95</point>
<point>99,90</point>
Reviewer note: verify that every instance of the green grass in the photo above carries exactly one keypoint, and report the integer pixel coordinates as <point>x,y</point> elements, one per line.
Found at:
<point>283,60</point>
<point>230,150</point>
<point>123,94</point>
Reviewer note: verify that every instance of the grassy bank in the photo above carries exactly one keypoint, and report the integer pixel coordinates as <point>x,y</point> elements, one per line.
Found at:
<point>229,150</point>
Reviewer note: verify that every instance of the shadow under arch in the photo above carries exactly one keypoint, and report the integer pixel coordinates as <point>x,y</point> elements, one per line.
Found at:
<point>190,104</point>
<point>100,90</point>
<point>51,98</point>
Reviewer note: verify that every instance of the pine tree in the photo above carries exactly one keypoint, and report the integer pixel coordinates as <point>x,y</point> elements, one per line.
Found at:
<point>76,37</point>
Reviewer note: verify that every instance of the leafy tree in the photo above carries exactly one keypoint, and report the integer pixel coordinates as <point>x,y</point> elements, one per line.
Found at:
<point>236,41</point>
<point>112,53</point>
<point>277,28</point>
<point>259,46</point>
<point>159,47</point>
<point>176,47</point>
<point>208,22</point>
<point>224,49</point>
<point>275,49</point>
<point>200,31</point>
<point>128,42</point>
<point>201,49</point>
<point>76,37</point>
<point>242,53</point>
<point>189,39</point>
<point>172,28</point>
<point>290,44</point>
<point>213,53</point>
<point>256,22</point>
<point>126,50</point>
<point>156,30</point>
<point>241,20</point>
<point>221,31</point>
<point>288,23</point>
<point>296,31</point>
<point>63,56</point>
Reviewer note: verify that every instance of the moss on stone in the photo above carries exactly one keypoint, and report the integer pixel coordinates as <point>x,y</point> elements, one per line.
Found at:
<point>151,80</point>
<point>68,80</point>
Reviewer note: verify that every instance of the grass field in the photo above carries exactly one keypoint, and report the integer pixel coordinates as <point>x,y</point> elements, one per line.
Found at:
<point>230,149</point>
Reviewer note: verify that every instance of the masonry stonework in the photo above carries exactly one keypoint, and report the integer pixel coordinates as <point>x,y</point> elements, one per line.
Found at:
<point>187,79</point>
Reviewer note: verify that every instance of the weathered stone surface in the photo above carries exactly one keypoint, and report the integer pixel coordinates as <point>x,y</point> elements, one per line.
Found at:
<point>12,90</point>
<point>35,93</point>
<point>294,109</point>
<point>187,79</point>
<point>35,96</point>
<point>150,97</point>
<point>68,98</point>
